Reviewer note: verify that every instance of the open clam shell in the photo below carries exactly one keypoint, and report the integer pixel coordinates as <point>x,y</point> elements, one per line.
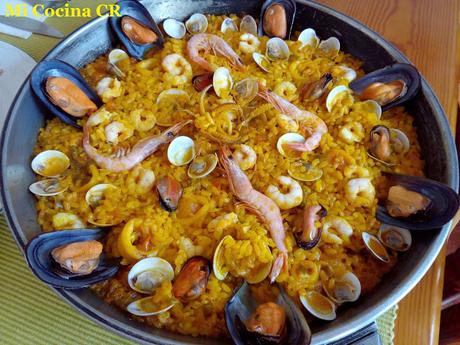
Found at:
<point>52,69</point>
<point>38,255</point>
<point>347,288</point>
<point>50,163</point>
<point>304,171</point>
<point>242,305</point>
<point>248,24</point>
<point>262,61</point>
<point>197,23</point>
<point>277,49</point>
<point>277,18</point>
<point>146,307</point>
<point>95,194</point>
<point>406,73</point>
<point>222,82</point>
<point>334,95</point>
<point>319,305</point>
<point>330,46</point>
<point>137,12</point>
<point>288,138</point>
<point>115,56</point>
<point>174,28</point>
<point>47,187</point>
<point>444,203</point>
<point>395,238</point>
<point>217,262</point>
<point>147,274</point>
<point>399,141</point>
<point>228,25</point>
<point>375,247</point>
<point>308,38</point>
<point>202,166</point>
<point>181,151</point>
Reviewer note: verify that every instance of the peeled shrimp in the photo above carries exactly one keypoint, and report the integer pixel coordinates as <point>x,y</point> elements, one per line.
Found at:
<point>116,131</point>
<point>336,230</point>
<point>259,203</point>
<point>143,148</point>
<point>360,191</point>
<point>178,69</point>
<point>245,156</point>
<point>249,43</point>
<point>211,43</point>
<point>291,199</point>
<point>311,123</point>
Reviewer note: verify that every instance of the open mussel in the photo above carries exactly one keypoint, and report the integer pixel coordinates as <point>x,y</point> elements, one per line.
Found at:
<point>169,191</point>
<point>192,280</point>
<point>136,29</point>
<point>70,259</point>
<point>277,18</point>
<point>417,203</point>
<point>276,322</point>
<point>63,91</point>
<point>389,86</point>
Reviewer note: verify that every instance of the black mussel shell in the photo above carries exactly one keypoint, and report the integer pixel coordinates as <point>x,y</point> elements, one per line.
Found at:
<point>443,207</point>
<point>290,9</point>
<point>38,255</point>
<point>137,11</point>
<point>311,244</point>
<point>242,305</point>
<point>398,71</point>
<point>57,68</point>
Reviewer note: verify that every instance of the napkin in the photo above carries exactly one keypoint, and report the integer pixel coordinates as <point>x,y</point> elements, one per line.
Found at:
<point>6,29</point>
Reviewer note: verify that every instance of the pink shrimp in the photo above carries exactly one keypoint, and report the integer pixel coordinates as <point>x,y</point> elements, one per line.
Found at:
<point>260,204</point>
<point>211,43</point>
<point>311,123</point>
<point>143,148</point>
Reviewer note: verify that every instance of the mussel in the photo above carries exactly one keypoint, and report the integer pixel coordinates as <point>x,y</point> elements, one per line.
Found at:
<point>417,203</point>
<point>136,29</point>
<point>70,259</point>
<point>277,18</point>
<point>276,322</point>
<point>202,81</point>
<point>389,86</point>
<point>316,89</point>
<point>192,279</point>
<point>309,234</point>
<point>63,91</point>
<point>169,191</point>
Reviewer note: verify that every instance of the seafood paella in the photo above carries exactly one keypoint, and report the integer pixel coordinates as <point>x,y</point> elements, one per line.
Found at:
<point>227,175</point>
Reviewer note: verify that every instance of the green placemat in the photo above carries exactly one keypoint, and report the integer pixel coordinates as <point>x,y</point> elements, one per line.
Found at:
<point>31,313</point>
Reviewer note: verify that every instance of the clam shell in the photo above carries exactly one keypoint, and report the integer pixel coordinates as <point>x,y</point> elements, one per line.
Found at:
<point>374,107</point>
<point>330,46</point>
<point>228,25</point>
<point>259,275</point>
<point>174,28</point>
<point>142,307</point>
<point>148,273</point>
<point>319,305</point>
<point>50,163</point>
<point>395,238</point>
<point>38,255</point>
<point>286,139</point>
<point>176,93</point>
<point>347,73</point>
<point>95,194</point>
<point>308,38</point>
<point>47,187</point>
<point>202,166</point>
<point>181,151</point>
<point>247,89</point>
<point>217,264</point>
<point>375,247</point>
<point>277,49</point>
<point>197,23</point>
<point>347,289</point>
<point>333,96</point>
<point>222,81</point>
<point>445,203</point>
<point>399,141</point>
<point>304,171</point>
<point>262,61</point>
<point>115,56</point>
<point>248,24</point>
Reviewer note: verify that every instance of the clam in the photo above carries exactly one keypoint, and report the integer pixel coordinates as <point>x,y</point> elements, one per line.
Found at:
<point>335,94</point>
<point>399,141</point>
<point>70,259</point>
<point>318,305</point>
<point>247,89</point>
<point>95,194</point>
<point>218,267</point>
<point>147,274</point>
<point>344,72</point>
<point>248,24</point>
<point>50,163</point>
<point>181,151</point>
<point>276,322</point>
<point>169,191</point>
<point>48,187</point>
<point>228,25</point>
<point>222,82</point>
<point>308,38</point>
<point>417,203</point>
<point>197,23</point>
<point>202,81</point>
<point>148,307</point>
<point>115,56</point>
<point>346,288</point>
<point>202,166</point>
<point>304,171</point>
<point>261,61</point>
<point>395,238</point>
<point>63,91</point>
<point>285,140</point>
<point>177,95</point>
<point>277,49</point>
<point>136,29</point>
<point>375,247</point>
<point>277,18</point>
<point>330,46</point>
<point>389,86</point>
<point>192,279</point>
<point>372,107</point>
<point>316,89</point>
<point>174,28</point>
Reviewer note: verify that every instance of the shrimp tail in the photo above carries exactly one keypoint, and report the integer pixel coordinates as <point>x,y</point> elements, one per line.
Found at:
<point>298,147</point>
<point>279,265</point>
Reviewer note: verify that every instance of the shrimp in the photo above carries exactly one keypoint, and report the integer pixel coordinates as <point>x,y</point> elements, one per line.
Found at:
<point>211,43</point>
<point>336,230</point>
<point>360,191</point>
<point>178,68</point>
<point>245,156</point>
<point>291,199</point>
<point>116,131</point>
<point>313,124</point>
<point>143,148</point>
<point>249,43</point>
<point>259,203</point>
<point>109,88</point>
<point>287,90</point>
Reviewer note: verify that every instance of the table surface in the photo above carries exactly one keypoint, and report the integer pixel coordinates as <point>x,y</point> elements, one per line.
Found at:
<point>426,32</point>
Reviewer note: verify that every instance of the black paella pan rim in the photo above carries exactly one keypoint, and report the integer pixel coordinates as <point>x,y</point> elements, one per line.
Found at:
<point>337,329</point>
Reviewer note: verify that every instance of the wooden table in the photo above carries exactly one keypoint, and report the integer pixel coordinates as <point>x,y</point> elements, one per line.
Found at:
<point>426,32</point>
